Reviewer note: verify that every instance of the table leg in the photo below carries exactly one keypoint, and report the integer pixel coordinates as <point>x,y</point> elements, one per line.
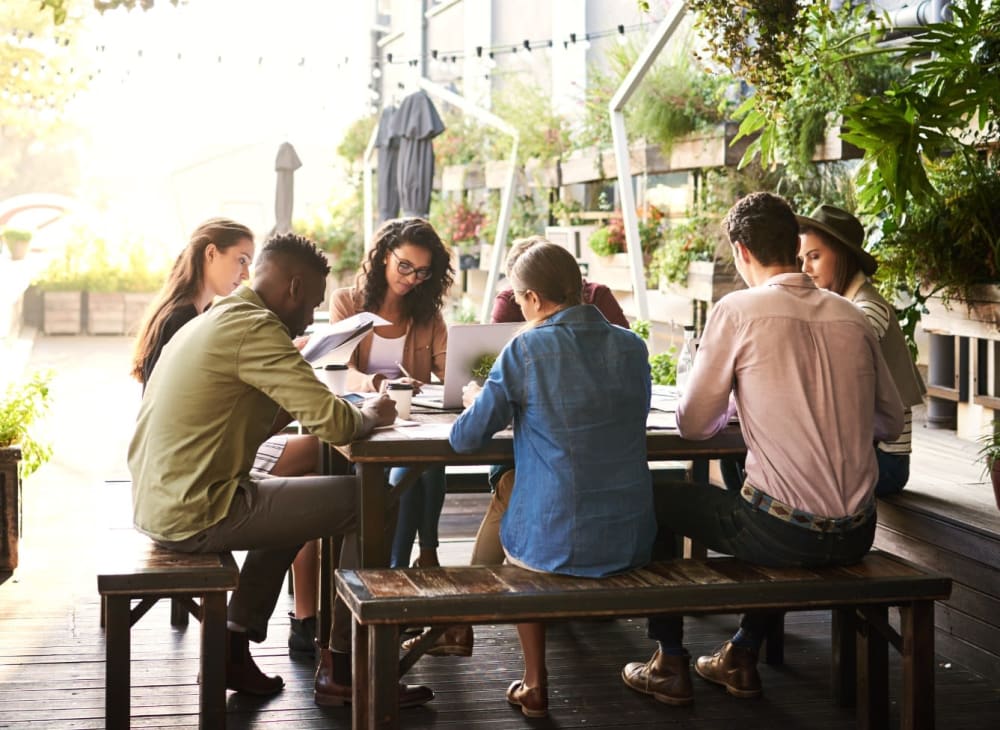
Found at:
<point>699,475</point>
<point>917,628</point>
<point>844,631</point>
<point>372,548</point>
<point>873,672</point>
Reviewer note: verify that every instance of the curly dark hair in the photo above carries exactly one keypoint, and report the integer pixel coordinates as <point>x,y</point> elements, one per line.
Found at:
<point>296,248</point>
<point>424,301</point>
<point>765,223</point>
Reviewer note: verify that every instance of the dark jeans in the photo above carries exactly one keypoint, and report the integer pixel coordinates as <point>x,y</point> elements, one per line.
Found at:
<point>721,520</point>
<point>893,473</point>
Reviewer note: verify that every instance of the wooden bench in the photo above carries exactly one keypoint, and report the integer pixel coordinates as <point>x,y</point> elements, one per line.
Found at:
<point>138,569</point>
<point>860,596</point>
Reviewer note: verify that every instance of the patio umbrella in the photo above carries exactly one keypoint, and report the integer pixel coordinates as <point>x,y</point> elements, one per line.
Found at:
<point>387,144</point>
<point>285,165</point>
<point>416,123</point>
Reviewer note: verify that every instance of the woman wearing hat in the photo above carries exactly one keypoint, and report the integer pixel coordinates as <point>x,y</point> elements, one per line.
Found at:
<point>833,256</point>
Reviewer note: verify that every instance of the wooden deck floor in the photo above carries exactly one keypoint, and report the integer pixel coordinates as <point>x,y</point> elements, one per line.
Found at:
<point>52,649</point>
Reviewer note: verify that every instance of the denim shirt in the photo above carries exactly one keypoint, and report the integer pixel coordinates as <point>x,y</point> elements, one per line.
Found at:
<point>577,391</point>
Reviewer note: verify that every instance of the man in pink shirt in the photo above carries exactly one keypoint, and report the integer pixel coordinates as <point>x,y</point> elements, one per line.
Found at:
<point>803,370</point>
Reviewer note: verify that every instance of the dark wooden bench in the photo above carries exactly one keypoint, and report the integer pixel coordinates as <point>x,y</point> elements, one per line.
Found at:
<point>860,596</point>
<point>138,569</point>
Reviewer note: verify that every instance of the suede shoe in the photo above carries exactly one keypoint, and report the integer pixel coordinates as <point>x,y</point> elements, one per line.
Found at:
<point>329,692</point>
<point>302,638</point>
<point>734,668</point>
<point>455,641</point>
<point>666,677</point>
<point>243,674</point>
<point>533,701</point>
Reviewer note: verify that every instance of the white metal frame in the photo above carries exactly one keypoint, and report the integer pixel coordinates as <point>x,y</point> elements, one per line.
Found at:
<point>616,108</point>
<point>506,196</point>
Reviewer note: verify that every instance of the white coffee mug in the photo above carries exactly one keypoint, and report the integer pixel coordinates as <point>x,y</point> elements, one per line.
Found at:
<point>402,393</point>
<point>335,378</point>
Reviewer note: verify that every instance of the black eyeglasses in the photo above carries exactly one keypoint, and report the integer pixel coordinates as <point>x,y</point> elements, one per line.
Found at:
<point>405,268</point>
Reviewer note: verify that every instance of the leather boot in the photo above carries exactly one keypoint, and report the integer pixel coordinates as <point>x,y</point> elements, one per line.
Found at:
<point>732,667</point>
<point>666,677</point>
<point>302,638</point>
<point>333,683</point>
<point>242,673</point>
<point>455,641</point>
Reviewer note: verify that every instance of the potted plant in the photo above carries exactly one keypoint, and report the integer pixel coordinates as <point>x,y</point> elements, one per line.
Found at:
<point>20,455</point>
<point>989,453</point>
<point>17,242</point>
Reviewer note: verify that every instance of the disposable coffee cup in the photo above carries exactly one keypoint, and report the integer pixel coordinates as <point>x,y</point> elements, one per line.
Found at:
<point>402,393</point>
<point>335,378</point>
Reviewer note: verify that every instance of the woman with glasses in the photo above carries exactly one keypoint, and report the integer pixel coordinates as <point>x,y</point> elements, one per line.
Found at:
<point>404,280</point>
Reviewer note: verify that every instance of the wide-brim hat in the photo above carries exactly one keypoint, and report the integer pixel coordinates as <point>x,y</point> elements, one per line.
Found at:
<point>843,227</point>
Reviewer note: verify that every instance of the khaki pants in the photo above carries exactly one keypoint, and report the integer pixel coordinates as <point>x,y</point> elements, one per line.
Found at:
<point>271,519</point>
<point>488,550</point>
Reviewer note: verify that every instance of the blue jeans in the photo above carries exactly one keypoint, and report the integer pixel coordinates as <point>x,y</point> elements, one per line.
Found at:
<point>721,520</point>
<point>419,511</point>
<point>893,472</point>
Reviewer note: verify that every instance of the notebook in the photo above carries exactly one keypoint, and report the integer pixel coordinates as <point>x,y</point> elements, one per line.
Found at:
<point>467,343</point>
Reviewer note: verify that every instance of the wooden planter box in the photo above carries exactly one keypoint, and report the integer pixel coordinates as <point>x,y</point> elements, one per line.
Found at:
<point>62,313</point>
<point>497,172</point>
<point>542,173</point>
<point>10,507</point>
<point>707,281</point>
<point>978,317</point>
<point>105,313</point>
<point>136,304</point>
<point>573,239</point>
<point>587,165</point>
<point>456,178</point>
<point>612,271</point>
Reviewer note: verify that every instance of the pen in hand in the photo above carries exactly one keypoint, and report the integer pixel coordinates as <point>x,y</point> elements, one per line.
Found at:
<point>403,370</point>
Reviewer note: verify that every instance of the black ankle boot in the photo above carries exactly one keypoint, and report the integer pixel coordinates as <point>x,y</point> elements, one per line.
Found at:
<point>242,673</point>
<point>302,637</point>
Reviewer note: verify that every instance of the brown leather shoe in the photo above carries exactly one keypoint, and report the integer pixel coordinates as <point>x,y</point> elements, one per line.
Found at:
<point>732,667</point>
<point>330,693</point>
<point>243,674</point>
<point>667,678</point>
<point>533,701</point>
<point>455,641</point>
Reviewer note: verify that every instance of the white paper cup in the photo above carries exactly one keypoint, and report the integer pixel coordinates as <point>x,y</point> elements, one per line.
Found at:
<point>402,393</point>
<point>335,378</point>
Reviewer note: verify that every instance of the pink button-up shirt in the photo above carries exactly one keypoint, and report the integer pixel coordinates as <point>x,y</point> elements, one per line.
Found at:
<point>805,373</point>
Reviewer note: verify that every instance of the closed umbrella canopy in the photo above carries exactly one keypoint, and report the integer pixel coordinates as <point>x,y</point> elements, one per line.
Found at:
<point>285,165</point>
<point>416,123</point>
<point>387,144</point>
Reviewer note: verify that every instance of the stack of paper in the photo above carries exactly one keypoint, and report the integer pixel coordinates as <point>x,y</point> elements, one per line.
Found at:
<point>336,341</point>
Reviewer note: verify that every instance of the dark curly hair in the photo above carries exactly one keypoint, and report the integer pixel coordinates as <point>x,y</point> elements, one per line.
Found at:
<point>296,248</point>
<point>424,301</point>
<point>765,223</point>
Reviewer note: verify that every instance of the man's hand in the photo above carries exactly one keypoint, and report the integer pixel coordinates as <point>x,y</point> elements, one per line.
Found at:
<point>382,409</point>
<point>470,392</point>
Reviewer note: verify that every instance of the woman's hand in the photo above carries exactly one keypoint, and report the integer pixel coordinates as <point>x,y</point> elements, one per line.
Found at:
<point>384,385</point>
<point>470,392</point>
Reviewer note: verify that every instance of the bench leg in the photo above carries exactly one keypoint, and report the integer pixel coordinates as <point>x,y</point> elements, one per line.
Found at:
<point>844,630</point>
<point>873,673</point>
<point>178,613</point>
<point>117,675</point>
<point>917,629</point>
<point>213,661</point>
<point>774,639</point>
<point>375,669</point>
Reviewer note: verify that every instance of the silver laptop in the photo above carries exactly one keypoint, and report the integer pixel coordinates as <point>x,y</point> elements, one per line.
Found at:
<point>467,343</point>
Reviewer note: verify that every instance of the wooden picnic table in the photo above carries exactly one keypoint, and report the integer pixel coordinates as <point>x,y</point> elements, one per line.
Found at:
<point>427,445</point>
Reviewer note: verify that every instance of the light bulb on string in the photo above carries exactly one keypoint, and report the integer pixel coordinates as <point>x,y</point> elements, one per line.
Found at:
<point>622,38</point>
